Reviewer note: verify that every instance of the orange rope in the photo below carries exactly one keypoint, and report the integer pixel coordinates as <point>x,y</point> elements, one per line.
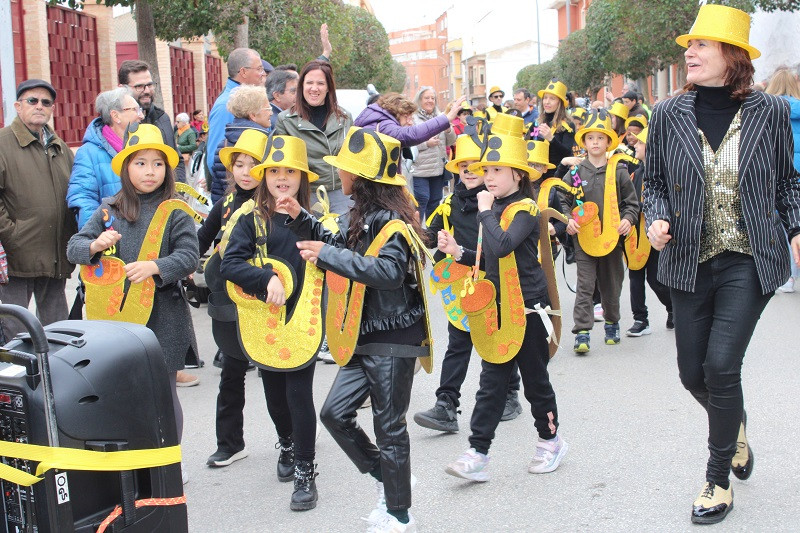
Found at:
<point>149,502</point>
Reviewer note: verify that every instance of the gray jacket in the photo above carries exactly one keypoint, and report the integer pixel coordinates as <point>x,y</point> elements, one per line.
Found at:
<point>430,161</point>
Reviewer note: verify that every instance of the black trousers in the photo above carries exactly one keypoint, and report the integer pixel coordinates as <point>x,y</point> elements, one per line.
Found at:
<point>387,381</point>
<point>713,326</point>
<point>230,405</point>
<point>637,278</point>
<point>490,400</point>
<point>456,362</point>
<point>290,402</point>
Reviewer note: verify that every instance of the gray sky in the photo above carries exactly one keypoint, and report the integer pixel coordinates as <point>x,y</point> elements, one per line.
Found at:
<point>401,14</point>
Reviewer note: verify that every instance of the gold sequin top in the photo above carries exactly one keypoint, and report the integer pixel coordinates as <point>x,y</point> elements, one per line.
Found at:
<point>723,227</point>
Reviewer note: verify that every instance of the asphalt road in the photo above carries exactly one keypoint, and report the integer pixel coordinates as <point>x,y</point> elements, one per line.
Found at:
<point>637,445</point>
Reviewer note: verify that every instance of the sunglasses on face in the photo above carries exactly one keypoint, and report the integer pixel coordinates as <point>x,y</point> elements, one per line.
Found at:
<point>46,102</point>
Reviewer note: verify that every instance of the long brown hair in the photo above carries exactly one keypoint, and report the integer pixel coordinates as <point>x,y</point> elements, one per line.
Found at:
<point>301,107</point>
<point>558,117</point>
<point>369,196</point>
<point>739,73</point>
<point>265,203</point>
<point>126,201</point>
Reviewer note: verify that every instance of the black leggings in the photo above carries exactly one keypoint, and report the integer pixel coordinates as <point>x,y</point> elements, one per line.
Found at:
<point>713,326</point>
<point>290,402</point>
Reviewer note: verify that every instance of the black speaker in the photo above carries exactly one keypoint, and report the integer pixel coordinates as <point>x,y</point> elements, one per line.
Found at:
<point>110,392</point>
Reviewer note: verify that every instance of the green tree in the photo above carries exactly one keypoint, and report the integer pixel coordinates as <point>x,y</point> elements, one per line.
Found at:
<point>398,78</point>
<point>370,61</point>
<point>576,67</point>
<point>535,77</point>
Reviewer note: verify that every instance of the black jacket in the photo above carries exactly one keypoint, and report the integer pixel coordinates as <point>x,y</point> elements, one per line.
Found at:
<point>391,300</point>
<point>464,221</point>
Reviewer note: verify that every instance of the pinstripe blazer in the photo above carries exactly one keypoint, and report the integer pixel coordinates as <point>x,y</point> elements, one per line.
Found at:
<point>768,183</point>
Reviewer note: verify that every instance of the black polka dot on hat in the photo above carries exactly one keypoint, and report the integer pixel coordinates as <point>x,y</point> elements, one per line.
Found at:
<point>133,140</point>
<point>600,126</point>
<point>277,156</point>
<point>357,142</point>
<point>495,142</point>
<point>394,154</point>
<point>493,156</point>
<point>391,170</point>
<point>531,145</point>
<point>551,86</point>
<point>278,142</point>
<point>133,127</point>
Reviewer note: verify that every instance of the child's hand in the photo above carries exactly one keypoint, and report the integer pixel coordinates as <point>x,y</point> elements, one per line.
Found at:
<point>551,229</point>
<point>485,200</point>
<point>624,227</point>
<point>573,227</point>
<point>138,271</point>
<point>275,291</point>
<point>571,161</point>
<point>288,204</point>
<point>447,243</point>
<point>309,250</point>
<point>104,241</point>
<point>658,234</point>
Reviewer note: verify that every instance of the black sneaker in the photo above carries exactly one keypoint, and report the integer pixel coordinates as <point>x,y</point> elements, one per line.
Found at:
<point>217,362</point>
<point>443,416</point>
<point>224,458</point>
<point>638,329</point>
<point>581,342</point>
<point>513,408</point>
<point>612,332</point>
<point>670,323</point>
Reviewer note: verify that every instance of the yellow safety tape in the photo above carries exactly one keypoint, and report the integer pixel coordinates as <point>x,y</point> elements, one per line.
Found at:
<point>74,459</point>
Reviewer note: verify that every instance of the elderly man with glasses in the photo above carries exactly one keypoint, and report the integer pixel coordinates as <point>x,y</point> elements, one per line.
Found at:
<point>35,223</point>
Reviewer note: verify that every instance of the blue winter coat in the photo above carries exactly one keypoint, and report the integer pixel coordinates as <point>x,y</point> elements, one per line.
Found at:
<point>92,178</point>
<point>794,106</point>
<point>219,179</point>
<point>377,118</point>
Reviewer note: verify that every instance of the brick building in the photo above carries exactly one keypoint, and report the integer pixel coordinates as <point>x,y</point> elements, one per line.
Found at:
<point>423,52</point>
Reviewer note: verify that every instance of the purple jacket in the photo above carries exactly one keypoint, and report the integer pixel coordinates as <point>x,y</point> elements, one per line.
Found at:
<point>377,118</point>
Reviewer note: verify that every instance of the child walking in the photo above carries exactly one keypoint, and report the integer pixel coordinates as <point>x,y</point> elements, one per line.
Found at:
<point>603,210</point>
<point>511,233</point>
<point>288,382</point>
<point>119,229</point>
<point>379,346</point>
<point>238,160</point>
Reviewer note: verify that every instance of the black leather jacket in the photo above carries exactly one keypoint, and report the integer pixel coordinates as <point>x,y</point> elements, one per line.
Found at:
<point>391,299</point>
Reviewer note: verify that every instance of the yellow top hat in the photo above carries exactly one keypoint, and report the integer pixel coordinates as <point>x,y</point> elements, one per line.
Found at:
<point>539,152</point>
<point>496,89</point>
<point>721,23</point>
<point>642,135</point>
<point>619,109</point>
<point>556,88</point>
<point>284,151</point>
<point>143,137</point>
<point>466,150</point>
<point>580,113</point>
<point>504,124</point>
<point>251,142</point>
<point>600,122</point>
<point>505,151</point>
<point>465,105</point>
<point>370,155</point>
<point>636,120</point>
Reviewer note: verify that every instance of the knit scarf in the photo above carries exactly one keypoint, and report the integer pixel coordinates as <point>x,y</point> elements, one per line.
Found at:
<point>113,139</point>
<point>183,129</point>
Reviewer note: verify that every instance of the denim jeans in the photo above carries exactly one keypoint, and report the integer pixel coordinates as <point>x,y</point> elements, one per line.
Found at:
<point>713,326</point>
<point>428,192</point>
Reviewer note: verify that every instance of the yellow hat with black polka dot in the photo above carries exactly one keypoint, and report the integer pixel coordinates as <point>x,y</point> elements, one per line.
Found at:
<point>599,122</point>
<point>370,155</point>
<point>466,150</point>
<point>251,142</point>
<point>284,151</point>
<point>143,137</point>
<point>539,152</point>
<point>580,114</point>
<point>636,120</point>
<point>505,151</point>
<point>556,88</point>
<point>619,109</point>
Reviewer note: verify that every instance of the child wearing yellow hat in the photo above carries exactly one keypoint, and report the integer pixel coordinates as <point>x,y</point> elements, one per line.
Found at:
<point>118,230</point>
<point>553,124</point>
<point>275,295</point>
<point>603,209</point>
<point>385,327</point>
<point>510,223</point>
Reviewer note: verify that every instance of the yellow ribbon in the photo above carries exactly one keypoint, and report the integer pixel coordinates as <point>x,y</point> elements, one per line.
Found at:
<point>75,459</point>
<point>187,189</point>
<point>328,219</point>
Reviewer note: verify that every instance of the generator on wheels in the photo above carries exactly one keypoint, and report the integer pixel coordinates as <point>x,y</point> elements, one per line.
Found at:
<point>88,385</point>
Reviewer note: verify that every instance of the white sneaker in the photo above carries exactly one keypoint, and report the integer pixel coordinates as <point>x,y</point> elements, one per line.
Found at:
<point>598,313</point>
<point>184,475</point>
<point>471,465</point>
<point>549,454</point>
<point>381,505</point>
<point>386,523</point>
<point>324,353</point>
<point>788,286</point>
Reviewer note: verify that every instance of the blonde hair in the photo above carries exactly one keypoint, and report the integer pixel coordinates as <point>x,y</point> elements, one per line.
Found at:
<point>783,83</point>
<point>247,100</point>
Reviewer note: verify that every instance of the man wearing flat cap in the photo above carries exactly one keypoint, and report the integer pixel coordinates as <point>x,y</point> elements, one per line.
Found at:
<point>35,223</point>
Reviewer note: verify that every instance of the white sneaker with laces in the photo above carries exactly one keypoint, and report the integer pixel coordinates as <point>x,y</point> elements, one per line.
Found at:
<point>386,523</point>
<point>471,465</point>
<point>381,505</point>
<point>788,286</point>
<point>548,456</point>
<point>598,313</point>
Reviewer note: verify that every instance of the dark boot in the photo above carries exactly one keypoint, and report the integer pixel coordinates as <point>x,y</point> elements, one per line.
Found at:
<point>304,496</point>
<point>513,408</point>
<point>285,459</point>
<point>442,417</point>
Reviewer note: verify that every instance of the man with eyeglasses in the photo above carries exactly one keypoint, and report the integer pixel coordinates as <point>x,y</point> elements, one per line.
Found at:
<point>135,75</point>
<point>496,96</point>
<point>35,223</point>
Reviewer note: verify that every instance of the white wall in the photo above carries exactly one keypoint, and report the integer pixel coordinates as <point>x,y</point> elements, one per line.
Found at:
<point>7,62</point>
<point>775,35</point>
<point>502,65</point>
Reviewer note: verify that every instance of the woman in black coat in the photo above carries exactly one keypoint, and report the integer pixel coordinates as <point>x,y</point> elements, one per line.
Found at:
<point>717,204</point>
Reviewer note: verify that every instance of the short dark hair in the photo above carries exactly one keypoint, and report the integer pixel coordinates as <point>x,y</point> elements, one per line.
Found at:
<point>525,92</point>
<point>196,112</point>
<point>128,67</point>
<point>287,66</point>
<point>277,80</point>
